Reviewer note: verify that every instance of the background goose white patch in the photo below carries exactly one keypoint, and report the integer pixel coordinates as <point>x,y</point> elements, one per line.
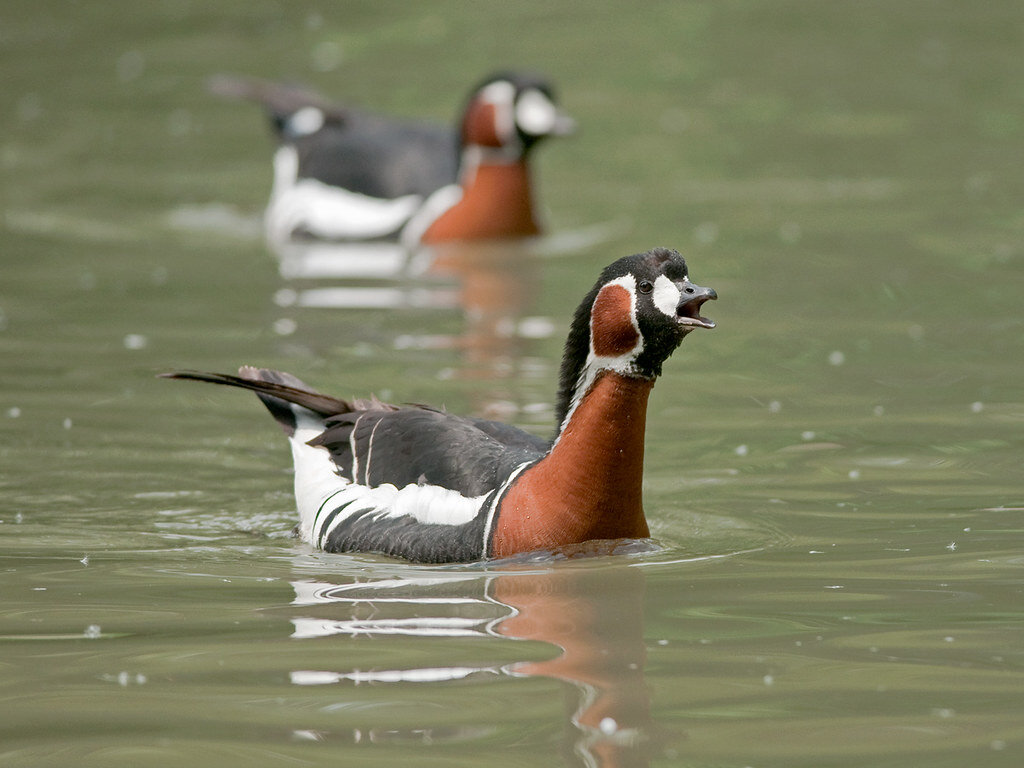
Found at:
<point>305,121</point>
<point>501,94</point>
<point>535,114</point>
<point>326,211</point>
<point>666,295</point>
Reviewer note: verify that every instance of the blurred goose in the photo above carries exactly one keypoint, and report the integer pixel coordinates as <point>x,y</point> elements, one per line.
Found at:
<point>344,174</point>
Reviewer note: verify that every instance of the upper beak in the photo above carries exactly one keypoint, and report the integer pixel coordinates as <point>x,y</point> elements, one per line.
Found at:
<point>691,298</point>
<point>564,125</point>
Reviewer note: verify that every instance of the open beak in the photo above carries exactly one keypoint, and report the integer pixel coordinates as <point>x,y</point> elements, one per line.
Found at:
<point>692,297</point>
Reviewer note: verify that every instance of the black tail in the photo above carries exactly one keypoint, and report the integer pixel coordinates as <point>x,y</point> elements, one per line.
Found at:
<point>277,390</point>
<point>280,99</point>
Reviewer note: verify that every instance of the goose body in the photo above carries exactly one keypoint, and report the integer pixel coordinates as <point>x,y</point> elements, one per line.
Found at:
<point>429,486</point>
<point>345,174</point>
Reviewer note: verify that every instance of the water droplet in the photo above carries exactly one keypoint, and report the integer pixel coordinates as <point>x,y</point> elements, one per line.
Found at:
<point>130,66</point>
<point>29,108</point>
<point>286,297</point>
<point>179,123</point>
<point>536,328</point>
<point>327,56</point>
<point>286,326</point>
<point>674,120</point>
<point>706,233</point>
<point>135,341</point>
<point>790,232</point>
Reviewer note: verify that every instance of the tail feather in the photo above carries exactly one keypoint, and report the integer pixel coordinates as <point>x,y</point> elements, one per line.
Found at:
<point>280,392</point>
<point>280,99</point>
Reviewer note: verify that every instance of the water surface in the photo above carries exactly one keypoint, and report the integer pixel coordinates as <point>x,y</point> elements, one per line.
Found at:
<point>833,474</point>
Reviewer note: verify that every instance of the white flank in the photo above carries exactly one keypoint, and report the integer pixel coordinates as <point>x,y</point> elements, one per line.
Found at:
<point>316,478</point>
<point>429,212</point>
<point>319,490</point>
<point>326,211</point>
<point>424,503</point>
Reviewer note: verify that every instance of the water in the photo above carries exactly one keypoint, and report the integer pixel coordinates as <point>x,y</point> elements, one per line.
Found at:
<point>833,474</point>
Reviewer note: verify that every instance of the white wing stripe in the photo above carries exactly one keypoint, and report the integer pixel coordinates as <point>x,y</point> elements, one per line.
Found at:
<point>496,500</point>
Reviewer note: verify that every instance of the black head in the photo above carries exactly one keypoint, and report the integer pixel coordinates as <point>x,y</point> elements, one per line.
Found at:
<point>512,111</point>
<point>640,310</point>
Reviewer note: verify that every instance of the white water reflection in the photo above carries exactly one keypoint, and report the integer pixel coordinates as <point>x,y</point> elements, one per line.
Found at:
<point>488,288</point>
<point>369,297</point>
<point>593,616</point>
<point>316,260</point>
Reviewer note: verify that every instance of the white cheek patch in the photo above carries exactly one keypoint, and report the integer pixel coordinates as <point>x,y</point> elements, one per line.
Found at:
<point>666,296</point>
<point>535,114</point>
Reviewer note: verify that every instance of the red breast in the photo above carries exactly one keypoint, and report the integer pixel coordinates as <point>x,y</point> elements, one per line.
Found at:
<point>497,202</point>
<point>589,485</point>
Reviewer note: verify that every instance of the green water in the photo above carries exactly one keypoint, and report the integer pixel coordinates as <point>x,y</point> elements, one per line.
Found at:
<point>833,474</point>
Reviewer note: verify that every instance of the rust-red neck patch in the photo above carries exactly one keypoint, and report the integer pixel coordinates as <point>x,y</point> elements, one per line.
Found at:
<point>479,126</point>
<point>612,330</point>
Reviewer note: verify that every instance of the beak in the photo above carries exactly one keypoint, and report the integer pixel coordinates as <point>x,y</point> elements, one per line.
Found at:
<point>691,298</point>
<point>564,125</point>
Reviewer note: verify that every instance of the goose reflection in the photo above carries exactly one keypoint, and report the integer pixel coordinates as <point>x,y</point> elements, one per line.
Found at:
<point>593,616</point>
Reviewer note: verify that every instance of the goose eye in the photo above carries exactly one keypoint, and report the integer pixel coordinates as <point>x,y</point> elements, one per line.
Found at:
<point>645,286</point>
